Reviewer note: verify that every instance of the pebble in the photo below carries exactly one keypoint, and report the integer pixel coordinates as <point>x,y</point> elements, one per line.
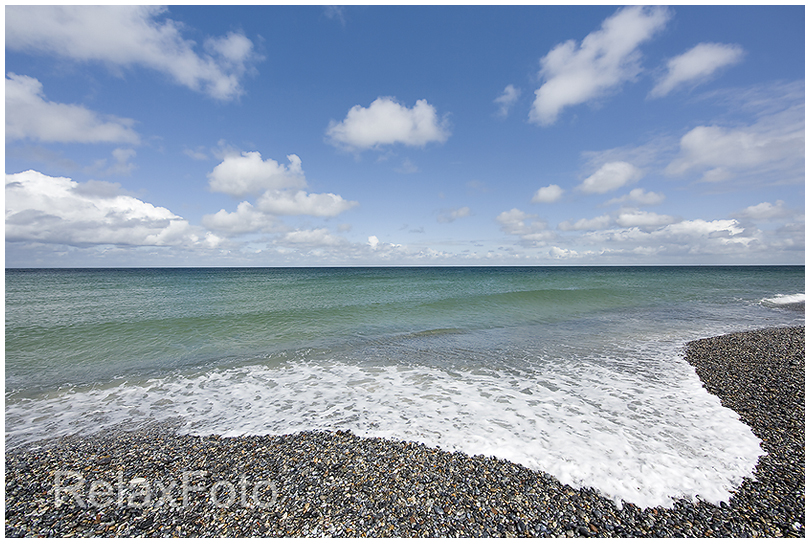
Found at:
<point>155,483</point>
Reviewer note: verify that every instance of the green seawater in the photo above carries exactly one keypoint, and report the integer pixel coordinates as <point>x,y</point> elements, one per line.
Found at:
<point>88,326</point>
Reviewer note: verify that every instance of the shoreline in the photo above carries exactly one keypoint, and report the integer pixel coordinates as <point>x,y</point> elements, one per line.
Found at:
<point>152,482</point>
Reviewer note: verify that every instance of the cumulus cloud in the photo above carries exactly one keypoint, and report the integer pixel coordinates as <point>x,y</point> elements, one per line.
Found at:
<point>280,191</point>
<point>548,194</point>
<point>387,122</point>
<point>452,215</point>
<point>239,175</point>
<point>611,176</point>
<point>596,223</point>
<point>765,211</point>
<point>605,59</point>
<point>696,66</point>
<point>636,218</point>
<point>513,221</point>
<point>314,238</point>
<point>30,116</point>
<point>640,197</point>
<point>695,240</point>
<point>531,230</point>
<point>561,253</point>
<point>245,219</point>
<point>47,209</point>
<point>506,100</point>
<point>303,203</point>
<point>127,36</point>
<point>700,227</point>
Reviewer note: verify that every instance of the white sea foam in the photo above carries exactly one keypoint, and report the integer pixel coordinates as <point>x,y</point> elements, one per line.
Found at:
<point>641,437</point>
<point>783,300</point>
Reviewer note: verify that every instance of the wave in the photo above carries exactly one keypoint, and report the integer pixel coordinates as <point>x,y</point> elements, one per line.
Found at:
<point>790,302</point>
<point>590,421</point>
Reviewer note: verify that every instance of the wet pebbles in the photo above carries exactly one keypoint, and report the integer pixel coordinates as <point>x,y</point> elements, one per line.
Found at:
<point>152,482</point>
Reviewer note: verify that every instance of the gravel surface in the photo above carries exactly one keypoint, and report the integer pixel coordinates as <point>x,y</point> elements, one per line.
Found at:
<point>153,482</point>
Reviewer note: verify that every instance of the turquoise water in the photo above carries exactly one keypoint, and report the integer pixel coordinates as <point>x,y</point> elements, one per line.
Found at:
<point>575,371</point>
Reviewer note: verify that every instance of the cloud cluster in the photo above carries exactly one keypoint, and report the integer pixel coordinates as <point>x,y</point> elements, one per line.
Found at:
<point>721,153</point>
<point>531,230</point>
<point>127,36</point>
<point>248,174</point>
<point>280,191</point>
<point>30,116</point>
<point>41,208</point>
<point>387,122</point>
<point>579,73</point>
<point>764,145</point>
<point>647,235</point>
<point>246,219</point>
<point>696,65</point>
<point>605,59</point>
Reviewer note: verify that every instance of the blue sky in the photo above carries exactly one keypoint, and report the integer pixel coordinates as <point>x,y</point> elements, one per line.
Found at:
<point>417,135</point>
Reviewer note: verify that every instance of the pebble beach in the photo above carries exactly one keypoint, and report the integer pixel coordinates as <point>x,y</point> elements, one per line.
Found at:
<point>152,482</point>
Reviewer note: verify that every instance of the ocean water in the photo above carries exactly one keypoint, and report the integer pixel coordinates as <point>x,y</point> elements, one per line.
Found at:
<point>578,371</point>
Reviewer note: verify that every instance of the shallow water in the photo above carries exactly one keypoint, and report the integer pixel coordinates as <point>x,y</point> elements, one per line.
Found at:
<point>574,371</point>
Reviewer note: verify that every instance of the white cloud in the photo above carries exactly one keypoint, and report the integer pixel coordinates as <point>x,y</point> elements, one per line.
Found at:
<point>387,122</point>
<point>700,227</point>
<point>336,12</point>
<point>679,239</point>
<point>313,238</point>
<point>452,215</point>
<point>636,218</point>
<point>640,197</point>
<point>280,190</point>
<point>506,100</point>
<point>560,253</point>
<point>531,230</point>
<point>513,221</point>
<point>611,176</point>
<point>245,219</point>
<point>239,175</point>
<point>122,164</point>
<point>605,59</point>
<point>373,242</point>
<point>596,223</point>
<point>53,210</point>
<point>765,211</point>
<point>722,153</point>
<point>548,194</point>
<point>697,65</point>
<point>30,116</point>
<point>126,36</point>
<point>303,203</point>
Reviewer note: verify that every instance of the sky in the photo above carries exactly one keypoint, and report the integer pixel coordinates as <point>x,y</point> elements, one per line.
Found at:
<point>408,135</point>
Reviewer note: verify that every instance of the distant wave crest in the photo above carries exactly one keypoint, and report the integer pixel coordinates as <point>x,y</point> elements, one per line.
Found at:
<point>795,301</point>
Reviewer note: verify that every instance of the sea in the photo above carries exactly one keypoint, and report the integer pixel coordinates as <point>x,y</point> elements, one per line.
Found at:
<point>575,371</point>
